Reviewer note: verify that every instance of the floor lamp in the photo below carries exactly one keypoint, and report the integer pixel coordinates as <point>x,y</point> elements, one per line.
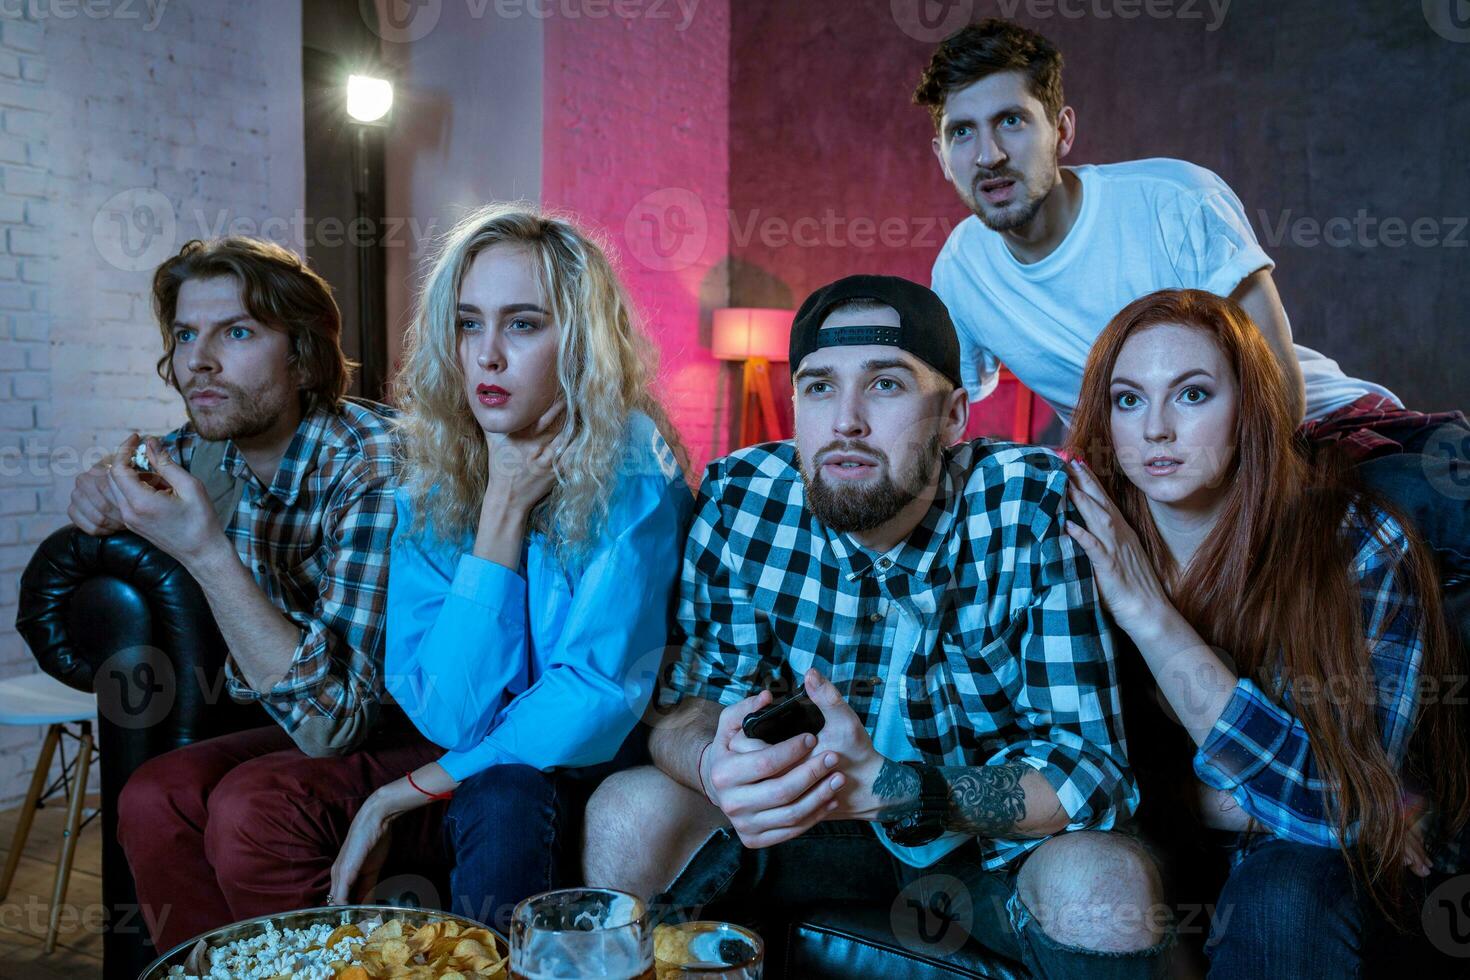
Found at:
<point>369,101</point>
<point>757,337</point>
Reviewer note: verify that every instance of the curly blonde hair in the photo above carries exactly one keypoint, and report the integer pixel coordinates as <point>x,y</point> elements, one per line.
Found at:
<point>605,366</point>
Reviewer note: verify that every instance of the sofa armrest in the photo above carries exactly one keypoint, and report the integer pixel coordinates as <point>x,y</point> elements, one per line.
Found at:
<point>127,584</point>
<point>116,616</point>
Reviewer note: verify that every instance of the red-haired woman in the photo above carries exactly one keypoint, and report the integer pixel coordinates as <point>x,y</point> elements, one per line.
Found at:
<point>1291,622</point>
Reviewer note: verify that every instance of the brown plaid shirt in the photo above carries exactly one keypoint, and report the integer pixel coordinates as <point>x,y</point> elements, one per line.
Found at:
<point>316,542</point>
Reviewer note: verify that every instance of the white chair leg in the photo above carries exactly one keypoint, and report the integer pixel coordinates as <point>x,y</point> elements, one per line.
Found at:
<point>69,836</point>
<point>28,810</point>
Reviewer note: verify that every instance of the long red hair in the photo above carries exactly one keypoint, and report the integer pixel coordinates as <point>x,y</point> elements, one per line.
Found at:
<point>1271,585</point>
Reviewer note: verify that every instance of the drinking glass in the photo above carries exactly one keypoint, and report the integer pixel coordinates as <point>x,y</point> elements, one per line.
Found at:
<point>593,933</point>
<point>709,950</point>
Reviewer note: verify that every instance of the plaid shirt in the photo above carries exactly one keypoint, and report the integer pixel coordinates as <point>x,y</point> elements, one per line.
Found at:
<point>1015,661</point>
<point>1259,752</point>
<point>1375,426</point>
<point>316,542</point>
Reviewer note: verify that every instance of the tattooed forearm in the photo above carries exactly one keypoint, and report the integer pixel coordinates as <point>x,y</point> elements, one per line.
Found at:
<point>987,801</point>
<point>897,786</point>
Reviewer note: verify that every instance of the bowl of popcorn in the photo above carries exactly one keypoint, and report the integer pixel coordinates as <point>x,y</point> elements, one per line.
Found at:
<point>356,942</point>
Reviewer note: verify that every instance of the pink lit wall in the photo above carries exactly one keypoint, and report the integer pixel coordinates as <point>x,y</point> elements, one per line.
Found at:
<point>831,171</point>
<point>636,142</point>
<point>731,153</point>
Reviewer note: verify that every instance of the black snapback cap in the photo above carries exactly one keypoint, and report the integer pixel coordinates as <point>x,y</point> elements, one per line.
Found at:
<point>925,329</point>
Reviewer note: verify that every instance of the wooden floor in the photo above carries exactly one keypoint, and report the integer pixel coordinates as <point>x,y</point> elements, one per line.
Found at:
<point>26,910</point>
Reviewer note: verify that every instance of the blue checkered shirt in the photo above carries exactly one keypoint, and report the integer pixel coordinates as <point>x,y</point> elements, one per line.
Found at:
<point>1260,753</point>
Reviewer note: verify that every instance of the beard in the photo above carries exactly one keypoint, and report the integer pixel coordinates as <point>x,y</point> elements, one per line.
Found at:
<point>243,415</point>
<point>1010,218</point>
<point>846,509</point>
<point>1017,214</point>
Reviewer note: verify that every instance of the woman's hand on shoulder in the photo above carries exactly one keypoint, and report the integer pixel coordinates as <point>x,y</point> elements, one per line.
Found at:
<point>1126,579</point>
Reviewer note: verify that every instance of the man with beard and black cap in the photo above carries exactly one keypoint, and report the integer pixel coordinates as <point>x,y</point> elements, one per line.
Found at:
<point>951,637</point>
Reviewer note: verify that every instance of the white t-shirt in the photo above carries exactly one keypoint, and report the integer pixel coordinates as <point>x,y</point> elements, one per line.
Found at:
<point>1143,225</point>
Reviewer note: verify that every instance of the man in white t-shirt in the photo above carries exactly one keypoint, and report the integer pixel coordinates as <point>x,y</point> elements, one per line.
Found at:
<point>1051,253</point>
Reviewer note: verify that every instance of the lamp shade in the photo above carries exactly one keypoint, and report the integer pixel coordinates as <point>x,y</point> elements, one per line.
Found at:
<point>745,332</point>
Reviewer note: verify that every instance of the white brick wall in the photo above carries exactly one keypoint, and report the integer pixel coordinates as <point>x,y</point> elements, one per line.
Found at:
<point>196,120</point>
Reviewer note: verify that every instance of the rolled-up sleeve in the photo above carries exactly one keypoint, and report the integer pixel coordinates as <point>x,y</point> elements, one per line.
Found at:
<point>979,367</point>
<point>1261,754</point>
<point>1217,249</point>
<point>329,698</point>
<point>599,676</point>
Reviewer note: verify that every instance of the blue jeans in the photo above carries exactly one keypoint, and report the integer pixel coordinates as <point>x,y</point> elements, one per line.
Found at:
<point>1288,911</point>
<point>514,831</point>
<point>842,862</point>
<point>1293,912</point>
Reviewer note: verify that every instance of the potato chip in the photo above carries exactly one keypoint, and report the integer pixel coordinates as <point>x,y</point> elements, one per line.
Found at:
<point>424,936</point>
<point>396,952</point>
<point>392,929</point>
<point>671,944</point>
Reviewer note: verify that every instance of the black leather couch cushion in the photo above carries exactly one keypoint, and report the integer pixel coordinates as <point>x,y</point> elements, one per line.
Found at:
<point>848,942</point>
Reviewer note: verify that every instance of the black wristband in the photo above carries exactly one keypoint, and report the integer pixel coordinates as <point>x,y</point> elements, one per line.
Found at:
<point>926,822</point>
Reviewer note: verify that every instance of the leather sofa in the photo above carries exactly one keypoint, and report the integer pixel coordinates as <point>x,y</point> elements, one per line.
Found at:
<point>116,616</point>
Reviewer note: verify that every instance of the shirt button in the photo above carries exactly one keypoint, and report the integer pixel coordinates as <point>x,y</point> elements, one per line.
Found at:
<point>875,617</point>
<point>260,567</point>
<point>884,563</point>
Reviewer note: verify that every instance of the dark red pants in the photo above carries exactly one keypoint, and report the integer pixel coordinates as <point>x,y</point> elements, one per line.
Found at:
<point>247,824</point>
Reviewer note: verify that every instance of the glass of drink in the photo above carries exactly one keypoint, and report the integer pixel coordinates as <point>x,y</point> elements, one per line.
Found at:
<point>709,950</point>
<point>593,933</point>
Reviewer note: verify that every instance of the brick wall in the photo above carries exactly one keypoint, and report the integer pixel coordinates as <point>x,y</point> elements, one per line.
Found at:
<point>636,141</point>
<point>159,128</point>
<point>25,355</point>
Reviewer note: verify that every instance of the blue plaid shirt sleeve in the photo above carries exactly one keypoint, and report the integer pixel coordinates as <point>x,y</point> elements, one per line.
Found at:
<point>1260,753</point>
<point>723,636</point>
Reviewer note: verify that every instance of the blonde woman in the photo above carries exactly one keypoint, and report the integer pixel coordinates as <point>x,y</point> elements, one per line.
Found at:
<point>541,518</point>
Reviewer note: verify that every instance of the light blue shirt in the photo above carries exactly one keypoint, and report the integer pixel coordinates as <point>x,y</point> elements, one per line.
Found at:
<point>890,737</point>
<point>550,665</point>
